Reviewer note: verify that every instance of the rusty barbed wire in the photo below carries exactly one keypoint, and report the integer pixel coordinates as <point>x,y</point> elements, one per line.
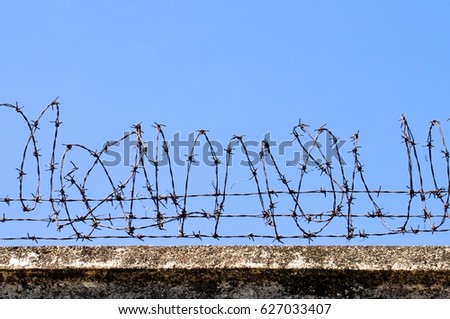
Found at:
<point>275,208</point>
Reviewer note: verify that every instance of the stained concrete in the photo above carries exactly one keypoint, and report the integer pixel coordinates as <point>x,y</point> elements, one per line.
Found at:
<point>225,272</point>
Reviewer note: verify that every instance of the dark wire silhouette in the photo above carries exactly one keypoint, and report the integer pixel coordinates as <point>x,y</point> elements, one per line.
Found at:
<point>78,215</point>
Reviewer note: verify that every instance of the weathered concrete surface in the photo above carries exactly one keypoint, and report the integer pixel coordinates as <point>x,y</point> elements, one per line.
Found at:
<point>225,272</point>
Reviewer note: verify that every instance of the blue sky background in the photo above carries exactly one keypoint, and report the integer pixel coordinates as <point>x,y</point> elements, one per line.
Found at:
<point>233,67</point>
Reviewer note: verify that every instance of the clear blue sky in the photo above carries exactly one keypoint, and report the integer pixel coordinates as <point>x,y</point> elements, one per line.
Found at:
<point>233,67</point>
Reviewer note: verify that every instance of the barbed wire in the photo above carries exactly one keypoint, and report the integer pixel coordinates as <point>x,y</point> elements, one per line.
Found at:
<point>74,212</point>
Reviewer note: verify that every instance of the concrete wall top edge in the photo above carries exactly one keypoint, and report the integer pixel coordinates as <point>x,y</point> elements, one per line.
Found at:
<point>409,258</point>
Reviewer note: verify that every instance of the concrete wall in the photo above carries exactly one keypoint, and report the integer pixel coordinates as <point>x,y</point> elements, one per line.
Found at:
<point>225,272</point>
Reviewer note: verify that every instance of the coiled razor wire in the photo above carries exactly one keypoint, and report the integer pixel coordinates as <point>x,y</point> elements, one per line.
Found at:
<point>123,212</point>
